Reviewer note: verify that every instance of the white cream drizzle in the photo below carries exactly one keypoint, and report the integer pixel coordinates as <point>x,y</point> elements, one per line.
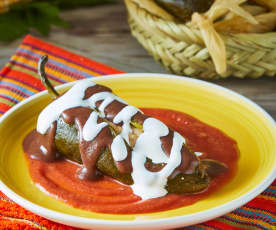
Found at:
<point>146,184</point>
<point>43,149</point>
<point>125,116</point>
<point>107,98</point>
<point>72,98</point>
<point>118,149</point>
<point>88,133</point>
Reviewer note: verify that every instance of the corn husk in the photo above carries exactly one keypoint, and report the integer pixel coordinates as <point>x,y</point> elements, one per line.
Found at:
<point>244,27</point>
<point>266,23</point>
<point>252,9</point>
<point>213,42</point>
<point>212,39</point>
<point>270,4</point>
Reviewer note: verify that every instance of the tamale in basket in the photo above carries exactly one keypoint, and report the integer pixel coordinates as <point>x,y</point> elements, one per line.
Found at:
<point>181,47</point>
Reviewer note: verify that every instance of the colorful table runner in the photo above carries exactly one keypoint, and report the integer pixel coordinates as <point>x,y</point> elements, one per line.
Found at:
<point>18,80</point>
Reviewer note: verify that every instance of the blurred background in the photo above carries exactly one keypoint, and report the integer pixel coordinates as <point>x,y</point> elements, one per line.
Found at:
<point>99,30</point>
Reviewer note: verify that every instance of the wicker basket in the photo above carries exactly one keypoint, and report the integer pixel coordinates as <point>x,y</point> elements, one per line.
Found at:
<point>180,48</point>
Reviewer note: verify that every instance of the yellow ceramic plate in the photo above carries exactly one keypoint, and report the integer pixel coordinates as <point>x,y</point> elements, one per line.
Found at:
<point>241,119</point>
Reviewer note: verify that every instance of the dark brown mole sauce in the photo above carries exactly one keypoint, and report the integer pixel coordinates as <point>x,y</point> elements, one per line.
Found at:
<point>43,146</point>
<point>40,146</point>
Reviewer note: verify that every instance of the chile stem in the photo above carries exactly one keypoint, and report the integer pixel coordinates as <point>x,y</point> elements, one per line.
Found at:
<point>41,73</point>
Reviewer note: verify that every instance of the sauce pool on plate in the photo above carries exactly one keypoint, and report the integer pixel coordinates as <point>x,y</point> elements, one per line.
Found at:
<point>107,195</point>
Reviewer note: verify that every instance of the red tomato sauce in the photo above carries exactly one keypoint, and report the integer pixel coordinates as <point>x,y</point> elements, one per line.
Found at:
<point>108,196</point>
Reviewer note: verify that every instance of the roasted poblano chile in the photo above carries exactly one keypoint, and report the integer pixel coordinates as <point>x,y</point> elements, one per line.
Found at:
<point>67,144</point>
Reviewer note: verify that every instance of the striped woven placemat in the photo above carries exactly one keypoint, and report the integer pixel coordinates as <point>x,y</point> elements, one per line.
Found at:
<point>18,80</point>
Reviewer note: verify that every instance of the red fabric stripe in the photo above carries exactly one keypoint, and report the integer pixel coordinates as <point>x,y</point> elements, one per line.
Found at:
<point>15,90</point>
<point>3,72</point>
<point>25,78</point>
<point>35,71</point>
<point>67,72</point>
<point>14,225</point>
<point>4,107</point>
<point>75,75</point>
<point>267,193</point>
<point>9,99</point>
<point>217,224</point>
<point>250,223</point>
<point>3,195</point>
<point>11,209</point>
<point>260,203</point>
<point>71,56</point>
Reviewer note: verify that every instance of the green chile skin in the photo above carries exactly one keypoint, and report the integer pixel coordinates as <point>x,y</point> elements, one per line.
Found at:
<point>67,144</point>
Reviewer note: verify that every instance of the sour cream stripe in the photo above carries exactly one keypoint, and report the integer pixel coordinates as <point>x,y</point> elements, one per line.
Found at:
<point>118,149</point>
<point>148,184</point>
<point>71,99</point>
<point>90,133</point>
<point>125,116</point>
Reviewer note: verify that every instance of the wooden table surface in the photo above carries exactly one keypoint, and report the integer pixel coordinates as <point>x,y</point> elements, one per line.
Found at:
<point>102,33</point>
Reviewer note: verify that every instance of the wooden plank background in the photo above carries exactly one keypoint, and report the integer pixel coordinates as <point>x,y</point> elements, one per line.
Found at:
<point>102,33</point>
